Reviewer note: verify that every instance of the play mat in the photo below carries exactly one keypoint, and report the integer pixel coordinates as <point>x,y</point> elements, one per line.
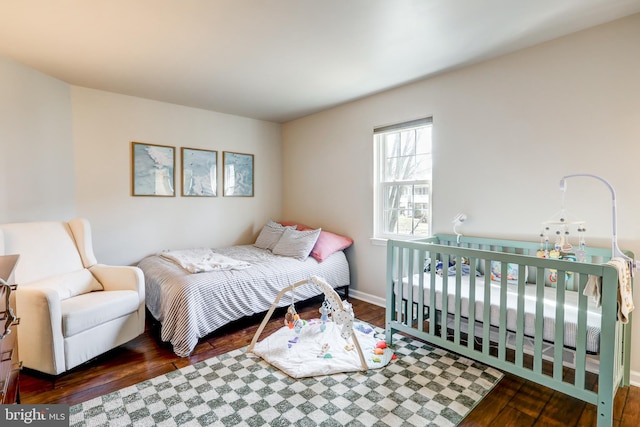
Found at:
<point>334,343</point>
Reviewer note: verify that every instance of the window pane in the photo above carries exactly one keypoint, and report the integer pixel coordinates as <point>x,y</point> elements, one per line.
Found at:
<point>408,143</point>
<point>423,140</point>
<point>391,145</point>
<point>422,168</point>
<point>391,197</point>
<point>391,221</point>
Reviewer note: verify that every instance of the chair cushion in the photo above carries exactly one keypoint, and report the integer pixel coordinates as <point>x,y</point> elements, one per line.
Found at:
<point>95,308</point>
<point>69,285</point>
<point>46,249</point>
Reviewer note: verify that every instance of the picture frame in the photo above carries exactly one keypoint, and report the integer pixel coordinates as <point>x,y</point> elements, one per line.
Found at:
<point>237,174</point>
<point>199,172</point>
<point>152,170</point>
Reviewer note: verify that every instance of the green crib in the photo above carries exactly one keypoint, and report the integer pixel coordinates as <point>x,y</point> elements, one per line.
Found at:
<point>496,302</point>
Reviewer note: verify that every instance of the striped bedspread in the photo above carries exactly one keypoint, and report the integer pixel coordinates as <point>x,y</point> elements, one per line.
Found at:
<point>191,306</point>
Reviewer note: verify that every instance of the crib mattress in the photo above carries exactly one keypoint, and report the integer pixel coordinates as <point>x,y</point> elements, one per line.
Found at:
<point>549,312</point>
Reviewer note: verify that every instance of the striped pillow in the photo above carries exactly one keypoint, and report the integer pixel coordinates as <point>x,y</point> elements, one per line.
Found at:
<point>296,244</point>
<point>270,234</point>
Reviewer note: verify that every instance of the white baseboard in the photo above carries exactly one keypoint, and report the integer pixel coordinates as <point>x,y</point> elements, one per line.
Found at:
<point>371,299</point>
<point>634,377</point>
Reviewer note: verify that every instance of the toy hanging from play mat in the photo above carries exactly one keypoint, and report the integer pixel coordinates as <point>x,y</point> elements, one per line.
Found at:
<point>335,343</point>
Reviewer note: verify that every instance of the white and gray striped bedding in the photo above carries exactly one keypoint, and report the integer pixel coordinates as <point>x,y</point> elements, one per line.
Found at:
<point>190,306</point>
<point>570,308</point>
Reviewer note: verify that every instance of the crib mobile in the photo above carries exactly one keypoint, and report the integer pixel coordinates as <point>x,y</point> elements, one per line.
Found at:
<point>561,226</point>
<point>562,247</point>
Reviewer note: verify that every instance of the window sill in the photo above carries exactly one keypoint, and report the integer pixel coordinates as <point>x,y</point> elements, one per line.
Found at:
<point>377,241</point>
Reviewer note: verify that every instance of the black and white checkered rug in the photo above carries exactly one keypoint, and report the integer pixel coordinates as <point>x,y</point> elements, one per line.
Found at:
<point>425,386</point>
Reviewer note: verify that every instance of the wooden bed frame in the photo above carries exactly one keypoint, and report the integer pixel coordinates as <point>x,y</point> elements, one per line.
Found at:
<point>490,343</point>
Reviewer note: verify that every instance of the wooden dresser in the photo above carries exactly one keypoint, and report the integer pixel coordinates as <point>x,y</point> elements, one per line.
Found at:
<point>9,363</point>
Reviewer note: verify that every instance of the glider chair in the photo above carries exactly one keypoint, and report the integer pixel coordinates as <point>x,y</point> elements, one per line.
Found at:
<point>71,308</point>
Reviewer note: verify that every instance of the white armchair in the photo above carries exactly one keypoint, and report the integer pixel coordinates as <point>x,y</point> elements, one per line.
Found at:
<point>71,308</point>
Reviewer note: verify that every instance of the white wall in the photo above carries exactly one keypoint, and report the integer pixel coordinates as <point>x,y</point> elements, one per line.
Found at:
<point>66,152</point>
<point>505,132</point>
<point>36,157</point>
<point>126,228</point>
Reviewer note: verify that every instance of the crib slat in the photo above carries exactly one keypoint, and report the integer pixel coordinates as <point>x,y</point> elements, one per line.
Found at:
<point>502,323</point>
<point>421,256</point>
<point>581,331</point>
<point>539,322</point>
<point>519,350</point>
<point>458,301</point>
<point>400,298</point>
<point>486,312</point>
<point>432,295</point>
<point>472,304</point>
<point>445,296</point>
<point>558,348</point>
<point>410,268</point>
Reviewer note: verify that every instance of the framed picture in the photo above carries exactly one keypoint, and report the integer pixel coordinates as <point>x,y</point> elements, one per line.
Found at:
<point>238,174</point>
<point>152,170</point>
<point>199,172</point>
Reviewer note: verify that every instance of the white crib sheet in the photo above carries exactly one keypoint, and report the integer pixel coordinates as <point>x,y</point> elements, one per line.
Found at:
<point>549,312</point>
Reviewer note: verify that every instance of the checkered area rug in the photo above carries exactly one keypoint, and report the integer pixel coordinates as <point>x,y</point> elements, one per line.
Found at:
<point>425,386</point>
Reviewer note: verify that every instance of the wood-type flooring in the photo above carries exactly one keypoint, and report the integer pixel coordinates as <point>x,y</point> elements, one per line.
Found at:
<point>513,402</point>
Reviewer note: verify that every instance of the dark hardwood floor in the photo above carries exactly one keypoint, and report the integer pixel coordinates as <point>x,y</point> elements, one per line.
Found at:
<point>513,402</point>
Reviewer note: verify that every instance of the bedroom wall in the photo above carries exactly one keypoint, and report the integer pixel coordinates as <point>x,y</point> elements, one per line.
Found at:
<point>127,228</point>
<point>66,152</point>
<point>36,161</point>
<point>505,132</point>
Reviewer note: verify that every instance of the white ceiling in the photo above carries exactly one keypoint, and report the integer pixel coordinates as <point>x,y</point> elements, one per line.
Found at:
<point>276,60</point>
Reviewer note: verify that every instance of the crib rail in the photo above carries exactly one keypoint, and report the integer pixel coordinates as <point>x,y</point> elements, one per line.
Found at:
<point>469,315</point>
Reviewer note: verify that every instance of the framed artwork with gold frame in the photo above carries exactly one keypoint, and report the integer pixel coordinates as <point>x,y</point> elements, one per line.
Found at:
<point>237,174</point>
<point>199,172</point>
<point>152,170</point>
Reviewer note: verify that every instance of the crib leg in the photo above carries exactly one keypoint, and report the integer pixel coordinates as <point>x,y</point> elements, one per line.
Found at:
<point>605,411</point>
<point>390,310</point>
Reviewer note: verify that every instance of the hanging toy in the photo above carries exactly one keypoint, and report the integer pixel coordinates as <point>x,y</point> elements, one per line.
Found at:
<point>298,323</point>
<point>324,314</point>
<point>566,246</point>
<point>543,252</point>
<point>581,252</point>
<point>290,316</point>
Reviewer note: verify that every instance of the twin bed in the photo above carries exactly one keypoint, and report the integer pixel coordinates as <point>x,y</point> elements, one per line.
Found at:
<point>190,305</point>
<point>496,302</point>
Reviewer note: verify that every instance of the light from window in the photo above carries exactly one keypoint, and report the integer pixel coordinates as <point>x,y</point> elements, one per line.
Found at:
<point>403,180</point>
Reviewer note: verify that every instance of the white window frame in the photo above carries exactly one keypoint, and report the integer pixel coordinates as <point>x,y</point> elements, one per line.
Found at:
<point>379,233</point>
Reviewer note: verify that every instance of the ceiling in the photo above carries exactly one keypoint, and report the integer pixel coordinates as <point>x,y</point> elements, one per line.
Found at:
<point>276,60</point>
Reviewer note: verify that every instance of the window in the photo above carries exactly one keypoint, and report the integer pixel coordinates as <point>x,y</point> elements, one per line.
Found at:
<point>402,184</point>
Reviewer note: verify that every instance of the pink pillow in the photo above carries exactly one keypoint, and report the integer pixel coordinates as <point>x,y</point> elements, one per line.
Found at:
<point>327,242</point>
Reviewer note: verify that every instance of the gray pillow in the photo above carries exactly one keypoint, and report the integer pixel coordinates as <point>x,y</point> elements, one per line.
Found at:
<point>296,244</point>
<point>270,234</point>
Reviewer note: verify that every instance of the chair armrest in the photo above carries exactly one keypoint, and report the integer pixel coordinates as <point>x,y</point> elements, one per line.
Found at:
<point>39,311</point>
<point>119,278</point>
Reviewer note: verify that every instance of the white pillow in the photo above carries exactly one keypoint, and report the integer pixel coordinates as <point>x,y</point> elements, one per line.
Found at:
<point>270,234</point>
<point>296,244</point>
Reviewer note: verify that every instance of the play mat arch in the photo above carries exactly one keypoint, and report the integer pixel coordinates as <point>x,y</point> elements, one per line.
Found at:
<point>335,343</point>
